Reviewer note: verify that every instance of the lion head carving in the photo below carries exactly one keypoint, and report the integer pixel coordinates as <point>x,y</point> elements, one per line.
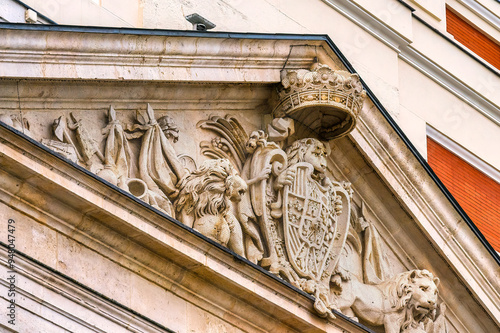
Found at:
<point>405,303</point>
<point>308,150</point>
<point>416,288</point>
<point>209,189</point>
<point>416,293</point>
<point>204,202</point>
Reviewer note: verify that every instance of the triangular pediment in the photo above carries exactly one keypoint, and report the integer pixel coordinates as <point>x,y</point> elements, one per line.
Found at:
<point>181,162</point>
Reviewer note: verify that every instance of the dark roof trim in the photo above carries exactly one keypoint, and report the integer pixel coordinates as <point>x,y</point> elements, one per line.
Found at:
<point>38,13</point>
<point>161,32</point>
<point>406,5</point>
<point>312,37</point>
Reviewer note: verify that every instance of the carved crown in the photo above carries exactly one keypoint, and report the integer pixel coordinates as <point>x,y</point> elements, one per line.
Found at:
<point>326,101</point>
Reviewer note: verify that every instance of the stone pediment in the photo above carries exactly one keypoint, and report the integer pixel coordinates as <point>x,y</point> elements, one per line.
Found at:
<point>196,162</point>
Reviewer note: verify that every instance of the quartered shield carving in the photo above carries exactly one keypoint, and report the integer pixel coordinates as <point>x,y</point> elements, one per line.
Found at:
<point>315,229</point>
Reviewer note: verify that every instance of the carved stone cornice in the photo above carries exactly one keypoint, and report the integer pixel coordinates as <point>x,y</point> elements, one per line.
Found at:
<point>53,95</point>
<point>103,54</point>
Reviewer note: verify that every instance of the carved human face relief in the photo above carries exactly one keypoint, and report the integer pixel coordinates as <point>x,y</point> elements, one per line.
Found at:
<point>316,156</point>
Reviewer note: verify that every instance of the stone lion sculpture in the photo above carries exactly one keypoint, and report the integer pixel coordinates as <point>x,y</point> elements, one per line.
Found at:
<point>404,303</point>
<point>205,202</point>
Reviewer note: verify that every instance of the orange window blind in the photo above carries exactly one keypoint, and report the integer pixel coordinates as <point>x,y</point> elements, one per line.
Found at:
<point>473,39</point>
<point>477,194</point>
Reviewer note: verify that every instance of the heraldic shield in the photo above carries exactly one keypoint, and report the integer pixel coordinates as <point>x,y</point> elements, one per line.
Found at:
<point>316,222</point>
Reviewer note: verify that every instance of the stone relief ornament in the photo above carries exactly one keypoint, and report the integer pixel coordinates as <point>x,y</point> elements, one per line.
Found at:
<point>363,255</point>
<point>64,143</point>
<point>406,302</point>
<point>326,101</point>
<point>230,142</point>
<point>73,140</point>
<point>205,202</point>
<point>364,288</point>
<point>302,215</point>
<point>267,195</point>
<point>88,146</point>
<point>315,219</point>
<point>158,166</point>
<point>118,162</point>
<point>15,121</point>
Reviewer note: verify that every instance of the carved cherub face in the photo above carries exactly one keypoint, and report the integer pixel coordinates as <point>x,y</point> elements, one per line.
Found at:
<point>316,155</point>
<point>425,294</point>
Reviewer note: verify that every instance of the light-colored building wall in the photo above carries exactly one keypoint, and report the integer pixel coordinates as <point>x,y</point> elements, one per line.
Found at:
<point>110,13</point>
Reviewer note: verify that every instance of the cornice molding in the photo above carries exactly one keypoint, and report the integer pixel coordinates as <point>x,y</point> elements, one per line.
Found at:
<point>369,23</point>
<point>104,54</point>
<point>483,12</point>
<point>450,83</point>
<point>54,95</point>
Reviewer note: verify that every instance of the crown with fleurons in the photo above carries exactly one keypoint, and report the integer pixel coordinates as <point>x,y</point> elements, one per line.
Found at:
<point>327,101</point>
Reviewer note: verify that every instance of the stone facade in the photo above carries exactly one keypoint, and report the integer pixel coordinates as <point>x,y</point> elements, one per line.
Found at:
<point>181,182</point>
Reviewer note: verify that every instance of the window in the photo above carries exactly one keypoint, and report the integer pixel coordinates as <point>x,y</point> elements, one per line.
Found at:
<point>472,38</point>
<point>477,193</point>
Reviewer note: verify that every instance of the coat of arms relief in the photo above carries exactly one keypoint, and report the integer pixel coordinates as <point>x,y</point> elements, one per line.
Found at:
<point>266,194</point>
